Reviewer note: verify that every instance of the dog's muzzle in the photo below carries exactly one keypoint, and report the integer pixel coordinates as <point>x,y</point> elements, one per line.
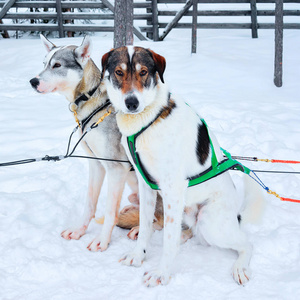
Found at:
<point>34,82</point>
<point>132,103</point>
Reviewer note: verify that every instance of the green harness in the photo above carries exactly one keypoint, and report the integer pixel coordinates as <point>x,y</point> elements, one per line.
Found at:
<point>217,168</point>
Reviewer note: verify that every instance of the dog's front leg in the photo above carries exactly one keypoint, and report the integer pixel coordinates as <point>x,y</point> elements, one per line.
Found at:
<point>173,200</point>
<point>116,177</point>
<point>96,177</point>
<point>147,207</point>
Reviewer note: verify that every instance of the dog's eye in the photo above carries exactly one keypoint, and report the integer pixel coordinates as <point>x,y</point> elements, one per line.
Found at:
<point>119,73</point>
<point>56,65</point>
<point>143,73</point>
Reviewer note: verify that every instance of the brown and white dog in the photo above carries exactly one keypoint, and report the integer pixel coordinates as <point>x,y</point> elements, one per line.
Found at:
<point>70,71</point>
<point>173,145</point>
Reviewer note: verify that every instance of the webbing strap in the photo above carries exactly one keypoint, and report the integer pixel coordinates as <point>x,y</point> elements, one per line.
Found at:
<point>217,168</point>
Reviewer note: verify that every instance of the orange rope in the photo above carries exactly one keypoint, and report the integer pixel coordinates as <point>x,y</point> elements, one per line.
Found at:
<point>281,198</point>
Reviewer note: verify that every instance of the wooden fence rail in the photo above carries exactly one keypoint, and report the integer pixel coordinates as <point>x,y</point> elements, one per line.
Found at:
<point>250,13</point>
<point>63,19</point>
<point>160,16</point>
<point>155,13</point>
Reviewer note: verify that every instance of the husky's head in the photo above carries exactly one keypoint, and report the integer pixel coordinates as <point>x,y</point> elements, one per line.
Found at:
<point>134,74</point>
<point>63,67</point>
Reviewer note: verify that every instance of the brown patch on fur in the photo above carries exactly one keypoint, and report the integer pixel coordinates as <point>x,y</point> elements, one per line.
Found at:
<point>90,79</point>
<point>166,110</point>
<point>169,206</point>
<point>129,219</point>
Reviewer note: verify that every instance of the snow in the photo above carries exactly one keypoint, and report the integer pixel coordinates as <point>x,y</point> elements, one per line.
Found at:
<point>230,83</point>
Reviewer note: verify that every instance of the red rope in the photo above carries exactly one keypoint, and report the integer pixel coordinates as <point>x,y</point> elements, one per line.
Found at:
<point>290,200</point>
<point>285,161</point>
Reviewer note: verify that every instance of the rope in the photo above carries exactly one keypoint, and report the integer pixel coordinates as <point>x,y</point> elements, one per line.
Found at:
<point>94,125</point>
<point>68,153</point>
<point>258,180</point>
<point>266,160</point>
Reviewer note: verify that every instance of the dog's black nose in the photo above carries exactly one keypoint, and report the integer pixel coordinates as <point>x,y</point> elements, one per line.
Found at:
<point>132,103</point>
<point>34,82</point>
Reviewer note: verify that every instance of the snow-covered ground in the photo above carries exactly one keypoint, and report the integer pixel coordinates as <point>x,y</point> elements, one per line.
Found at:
<point>230,83</point>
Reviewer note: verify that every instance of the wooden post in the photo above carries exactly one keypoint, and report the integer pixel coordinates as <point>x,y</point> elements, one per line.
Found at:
<point>6,7</point>
<point>253,19</point>
<point>4,33</point>
<point>123,32</point>
<point>149,10</point>
<point>155,20</point>
<point>194,26</point>
<point>59,19</point>
<point>3,12</point>
<point>129,22</point>
<point>278,43</point>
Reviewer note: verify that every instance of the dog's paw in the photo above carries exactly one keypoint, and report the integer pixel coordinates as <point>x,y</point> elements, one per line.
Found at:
<point>76,234</point>
<point>155,278</point>
<point>98,244</point>
<point>133,259</point>
<point>241,274</point>
<point>133,233</point>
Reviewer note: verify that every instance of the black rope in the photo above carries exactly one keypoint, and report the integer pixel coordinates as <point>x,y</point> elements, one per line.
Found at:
<point>94,125</point>
<point>278,172</point>
<point>67,155</point>
<point>98,158</point>
<point>18,162</point>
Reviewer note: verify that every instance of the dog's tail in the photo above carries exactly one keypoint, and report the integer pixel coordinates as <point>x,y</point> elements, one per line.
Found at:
<point>254,202</point>
<point>127,220</point>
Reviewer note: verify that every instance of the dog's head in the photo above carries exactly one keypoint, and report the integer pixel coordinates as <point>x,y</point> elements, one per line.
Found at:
<point>134,75</point>
<point>63,67</point>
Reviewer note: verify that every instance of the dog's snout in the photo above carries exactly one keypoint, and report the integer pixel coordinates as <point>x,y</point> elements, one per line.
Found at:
<point>132,103</point>
<point>34,82</point>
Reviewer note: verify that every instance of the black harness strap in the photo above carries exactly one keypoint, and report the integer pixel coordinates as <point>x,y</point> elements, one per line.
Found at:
<point>85,121</point>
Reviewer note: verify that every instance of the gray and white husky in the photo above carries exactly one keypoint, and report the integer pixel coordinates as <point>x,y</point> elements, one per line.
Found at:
<point>70,71</point>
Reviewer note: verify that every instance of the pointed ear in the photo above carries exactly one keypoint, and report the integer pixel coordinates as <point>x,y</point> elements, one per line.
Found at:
<point>48,45</point>
<point>160,64</point>
<point>104,62</point>
<point>83,52</point>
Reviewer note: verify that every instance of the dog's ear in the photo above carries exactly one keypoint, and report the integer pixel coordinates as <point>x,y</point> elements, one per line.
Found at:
<point>160,64</point>
<point>104,62</point>
<point>48,45</point>
<point>83,52</point>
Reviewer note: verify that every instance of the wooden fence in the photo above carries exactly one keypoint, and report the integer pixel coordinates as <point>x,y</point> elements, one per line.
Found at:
<point>63,15</point>
<point>162,11</point>
<point>159,16</point>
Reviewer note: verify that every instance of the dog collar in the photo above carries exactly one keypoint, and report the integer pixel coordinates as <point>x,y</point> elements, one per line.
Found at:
<point>216,169</point>
<point>86,96</point>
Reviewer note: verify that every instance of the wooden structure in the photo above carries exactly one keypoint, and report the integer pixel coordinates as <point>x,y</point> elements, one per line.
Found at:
<point>160,19</point>
<point>155,13</point>
<point>61,15</point>
<point>247,18</point>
